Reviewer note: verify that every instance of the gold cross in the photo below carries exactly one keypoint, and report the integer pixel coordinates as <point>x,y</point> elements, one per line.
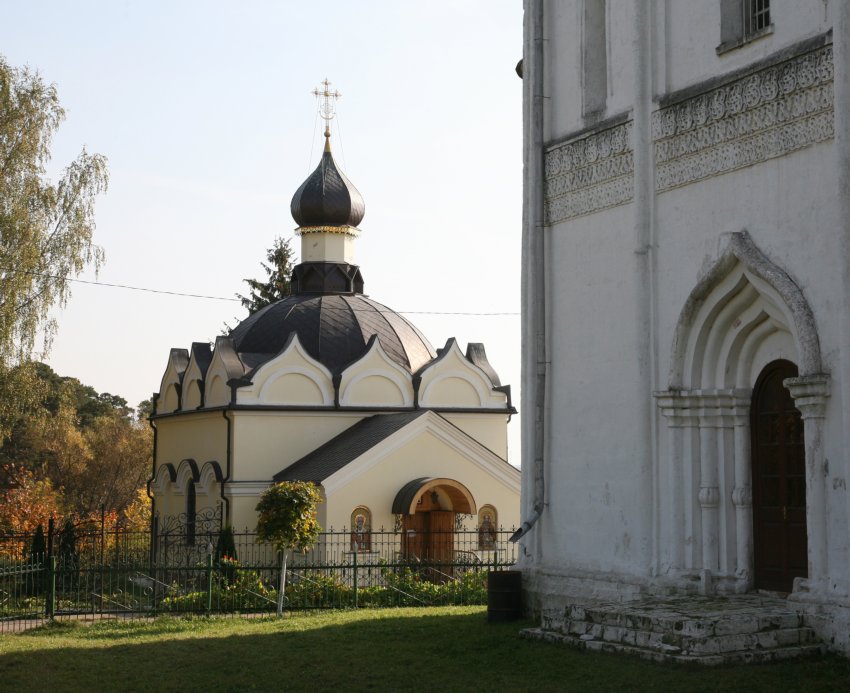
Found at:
<point>327,101</point>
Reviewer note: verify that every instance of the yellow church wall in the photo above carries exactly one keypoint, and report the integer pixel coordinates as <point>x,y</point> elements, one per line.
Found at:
<point>374,390</point>
<point>217,393</point>
<point>488,429</point>
<point>293,388</point>
<point>192,398</point>
<point>243,511</point>
<point>166,504</point>
<point>168,401</point>
<point>201,437</point>
<point>451,392</point>
<point>424,456</point>
<point>265,442</point>
<point>243,514</point>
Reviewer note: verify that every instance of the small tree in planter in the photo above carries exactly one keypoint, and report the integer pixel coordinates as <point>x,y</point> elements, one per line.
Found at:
<point>287,519</point>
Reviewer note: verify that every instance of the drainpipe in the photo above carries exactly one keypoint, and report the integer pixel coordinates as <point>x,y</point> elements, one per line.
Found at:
<point>226,478</point>
<point>645,244</point>
<point>152,424</point>
<point>533,275</point>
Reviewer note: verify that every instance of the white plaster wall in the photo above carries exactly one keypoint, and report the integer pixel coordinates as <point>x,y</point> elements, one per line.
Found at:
<point>692,33</point>
<point>596,519</point>
<point>620,56</point>
<point>596,522</point>
<point>327,247</point>
<point>562,47</point>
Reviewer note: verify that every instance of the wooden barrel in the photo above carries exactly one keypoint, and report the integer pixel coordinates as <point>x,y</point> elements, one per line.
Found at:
<point>504,595</point>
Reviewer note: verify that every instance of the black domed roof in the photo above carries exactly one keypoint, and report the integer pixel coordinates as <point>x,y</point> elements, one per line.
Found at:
<point>334,329</point>
<point>327,197</point>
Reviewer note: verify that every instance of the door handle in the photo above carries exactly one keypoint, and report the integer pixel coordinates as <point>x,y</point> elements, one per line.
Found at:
<point>784,512</point>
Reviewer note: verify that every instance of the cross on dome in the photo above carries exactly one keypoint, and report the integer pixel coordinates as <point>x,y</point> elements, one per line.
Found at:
<point>327,103</point>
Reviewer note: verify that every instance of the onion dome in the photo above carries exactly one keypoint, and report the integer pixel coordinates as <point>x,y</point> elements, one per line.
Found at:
<point>334,329</point>
<point>327,197</point>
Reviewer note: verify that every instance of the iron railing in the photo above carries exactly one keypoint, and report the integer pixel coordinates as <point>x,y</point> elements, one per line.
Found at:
<point>117,573</point>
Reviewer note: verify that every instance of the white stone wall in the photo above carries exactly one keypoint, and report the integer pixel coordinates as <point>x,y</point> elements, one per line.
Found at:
<point>641,202</point>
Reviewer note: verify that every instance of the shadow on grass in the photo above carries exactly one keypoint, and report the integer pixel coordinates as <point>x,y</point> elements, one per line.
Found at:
<point>366,650</point>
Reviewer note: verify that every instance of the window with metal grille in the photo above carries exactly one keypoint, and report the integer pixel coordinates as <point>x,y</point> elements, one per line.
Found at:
<point>756,16</point>
<point>742,21</point>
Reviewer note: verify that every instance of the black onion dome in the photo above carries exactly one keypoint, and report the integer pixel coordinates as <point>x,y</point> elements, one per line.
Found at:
<point>335,330</point>
<point>327,198</point>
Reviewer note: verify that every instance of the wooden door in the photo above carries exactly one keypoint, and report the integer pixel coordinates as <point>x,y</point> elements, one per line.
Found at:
<point>779,481</point>
<point>441,544</point>
<point>415,536</point>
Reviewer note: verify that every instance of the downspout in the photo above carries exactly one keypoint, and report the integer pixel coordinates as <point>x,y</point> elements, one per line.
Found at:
<point>645,245</point>
<point>226,478</point>
<point>534,277</point>
<point>152,424</point>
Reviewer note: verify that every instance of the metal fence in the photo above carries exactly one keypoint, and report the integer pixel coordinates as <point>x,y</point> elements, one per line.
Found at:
<point>115,573</point>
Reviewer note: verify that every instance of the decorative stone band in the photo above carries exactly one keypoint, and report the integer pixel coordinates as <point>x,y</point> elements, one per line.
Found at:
<point>761,116</point>
<point>343,230</point>
<point>591,172</point>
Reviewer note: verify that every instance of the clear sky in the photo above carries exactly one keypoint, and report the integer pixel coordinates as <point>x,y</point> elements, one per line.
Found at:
<point>205,114</point>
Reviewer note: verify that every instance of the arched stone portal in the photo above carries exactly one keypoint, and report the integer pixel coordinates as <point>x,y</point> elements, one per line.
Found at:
<point>744,313</point>
<point>428,507</point>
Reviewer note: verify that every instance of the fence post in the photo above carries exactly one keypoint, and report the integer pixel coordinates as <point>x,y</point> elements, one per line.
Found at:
<point>209,581</point>
<point>50,528</point>
<point>51,588</point>
<point>355,577</point>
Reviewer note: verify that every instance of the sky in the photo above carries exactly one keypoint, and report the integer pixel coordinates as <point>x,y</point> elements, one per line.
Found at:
<point>204,112</point>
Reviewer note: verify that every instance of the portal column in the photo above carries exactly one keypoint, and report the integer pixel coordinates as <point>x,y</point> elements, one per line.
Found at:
<point>709,491</point>
<point>675,408</point>
<point>810,393</point>
<point>742,496</point>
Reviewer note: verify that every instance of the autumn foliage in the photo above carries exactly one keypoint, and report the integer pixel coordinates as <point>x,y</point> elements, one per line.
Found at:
<point>74,454</point>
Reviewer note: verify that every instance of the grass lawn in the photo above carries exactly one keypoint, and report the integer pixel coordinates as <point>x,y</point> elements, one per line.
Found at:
<point>435,649</point>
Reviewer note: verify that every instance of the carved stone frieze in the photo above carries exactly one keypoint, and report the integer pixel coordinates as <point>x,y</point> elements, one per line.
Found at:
<point>758,117</point>
<point>589,173</point>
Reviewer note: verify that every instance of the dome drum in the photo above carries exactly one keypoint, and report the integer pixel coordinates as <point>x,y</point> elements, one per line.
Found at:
<point>326,278</point>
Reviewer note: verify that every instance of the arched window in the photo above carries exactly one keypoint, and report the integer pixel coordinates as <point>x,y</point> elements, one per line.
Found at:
<point>487,525</point>
<point>361,529</point>
<point>190,513</point>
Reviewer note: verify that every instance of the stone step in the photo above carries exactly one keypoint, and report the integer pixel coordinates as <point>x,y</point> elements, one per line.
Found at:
<point>689,644</point>
<point>663,652</point>
<point>708,623</point>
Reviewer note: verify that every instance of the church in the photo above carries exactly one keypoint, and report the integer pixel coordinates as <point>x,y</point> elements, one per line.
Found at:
<point>686,302</point>
<point>327,385</point>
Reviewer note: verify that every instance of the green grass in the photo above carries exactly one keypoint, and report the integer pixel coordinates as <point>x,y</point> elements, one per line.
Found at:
<point>435,649</point>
